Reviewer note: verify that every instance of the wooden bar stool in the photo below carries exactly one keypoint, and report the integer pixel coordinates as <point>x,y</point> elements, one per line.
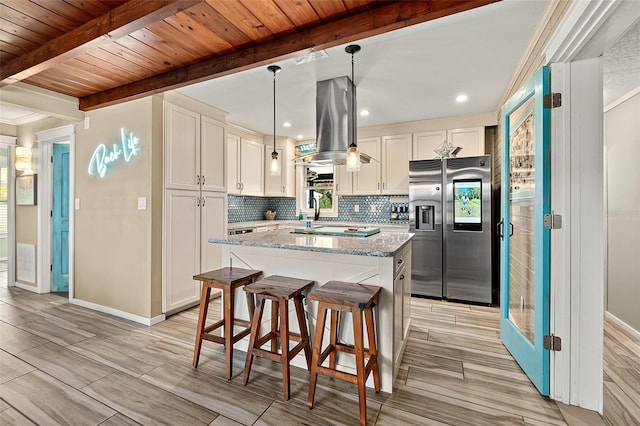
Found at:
<point>228,280</point>
<point>359,299</point>
<point>279,290</point>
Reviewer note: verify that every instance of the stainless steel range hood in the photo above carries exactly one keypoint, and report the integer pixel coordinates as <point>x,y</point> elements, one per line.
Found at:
<point>335,122</point>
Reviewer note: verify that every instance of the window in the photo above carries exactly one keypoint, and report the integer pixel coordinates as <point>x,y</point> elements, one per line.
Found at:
<point>318,189</point>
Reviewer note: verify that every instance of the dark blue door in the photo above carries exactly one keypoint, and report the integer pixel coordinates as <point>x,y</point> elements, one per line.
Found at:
<point>60,218</point>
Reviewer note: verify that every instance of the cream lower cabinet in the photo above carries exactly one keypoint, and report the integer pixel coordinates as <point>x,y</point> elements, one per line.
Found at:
<point>191,218</point>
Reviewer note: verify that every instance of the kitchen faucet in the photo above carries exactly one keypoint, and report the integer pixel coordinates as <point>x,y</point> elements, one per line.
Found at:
<point>316,208</point>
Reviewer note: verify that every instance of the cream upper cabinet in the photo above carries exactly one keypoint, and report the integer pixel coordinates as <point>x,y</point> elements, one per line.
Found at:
<point>425,143</point>
<point>182,148</point>
<point>367,180</point>
<point>233,164</point>
<point>195,149</point>
<point>344,180</point>
<point>212,155</point>
<point>275,186</point>
<point>251,167</point>
<point>470,140</point>
<point>282,185</point>
<point>396,153</point>
<point>245,165</point>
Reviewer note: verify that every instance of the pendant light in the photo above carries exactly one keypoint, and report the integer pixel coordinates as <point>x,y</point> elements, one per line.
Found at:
<point>275,166</point>
<point>353,154</point>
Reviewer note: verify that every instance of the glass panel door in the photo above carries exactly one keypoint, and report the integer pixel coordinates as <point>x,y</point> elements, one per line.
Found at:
<point>524,248</point>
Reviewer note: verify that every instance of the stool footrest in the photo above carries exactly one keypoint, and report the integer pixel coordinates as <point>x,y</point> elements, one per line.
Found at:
<point>213,326</point>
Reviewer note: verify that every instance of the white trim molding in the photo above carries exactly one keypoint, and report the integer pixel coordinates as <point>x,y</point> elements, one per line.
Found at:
<point>626,327</point>
<point>118,313</point>
<point>622,99</point>
<point>10,142</point>
<point>46,139</point>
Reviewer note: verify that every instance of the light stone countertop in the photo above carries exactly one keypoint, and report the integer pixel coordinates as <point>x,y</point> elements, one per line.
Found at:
<point>383,244</point>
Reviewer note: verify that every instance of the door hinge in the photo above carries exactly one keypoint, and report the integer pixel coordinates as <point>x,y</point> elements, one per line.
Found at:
<point>52,158</point>
<point>51,268</point>
<point>552,100</point>
<point>51,213</point>
<point>552,221</point>
<point>552,343</point>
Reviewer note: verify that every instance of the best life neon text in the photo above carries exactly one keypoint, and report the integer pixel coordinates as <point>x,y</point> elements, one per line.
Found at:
<point>103,156</point>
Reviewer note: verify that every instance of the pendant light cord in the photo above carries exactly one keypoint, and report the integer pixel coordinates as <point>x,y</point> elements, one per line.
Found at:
<point>274,112</point>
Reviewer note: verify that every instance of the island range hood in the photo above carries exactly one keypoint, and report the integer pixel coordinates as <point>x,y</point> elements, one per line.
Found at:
<point>335,123</point>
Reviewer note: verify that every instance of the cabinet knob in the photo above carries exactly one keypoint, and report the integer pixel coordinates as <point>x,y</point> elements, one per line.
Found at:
<point>400,261</point>
<point>402,277</point>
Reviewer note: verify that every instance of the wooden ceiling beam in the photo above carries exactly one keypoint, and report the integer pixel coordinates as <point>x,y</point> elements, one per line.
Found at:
<point>119,22</point>
<point>386,18</point>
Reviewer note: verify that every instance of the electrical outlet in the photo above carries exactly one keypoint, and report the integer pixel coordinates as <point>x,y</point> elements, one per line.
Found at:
<point>374,208</point>
<point>356,208</point>
<point>142,203</point>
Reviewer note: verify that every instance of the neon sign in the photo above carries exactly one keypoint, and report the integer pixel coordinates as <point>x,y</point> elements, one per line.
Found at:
<point>103,157</point>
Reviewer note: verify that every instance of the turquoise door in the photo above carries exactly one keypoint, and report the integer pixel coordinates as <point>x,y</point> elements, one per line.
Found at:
<point>524,245</point>
<point>60,219</point>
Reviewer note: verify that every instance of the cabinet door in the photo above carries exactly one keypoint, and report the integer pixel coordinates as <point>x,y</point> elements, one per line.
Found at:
<point>233,163</point>
<point>182,148</point>
<point>212,155</point>
<point>396,153</point>
<point>398,305</point>
<point>367,180</point>
<point>470,140</point>
<point>182,249</point>
<point>213,224</point>
<point>344,180</point>
<point>425,143</point>
<point>406,309</point>
<point>251,167</point>
<point>274,185</point>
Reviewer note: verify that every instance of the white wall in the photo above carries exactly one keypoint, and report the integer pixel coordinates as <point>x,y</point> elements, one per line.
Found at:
<point>622,147</point>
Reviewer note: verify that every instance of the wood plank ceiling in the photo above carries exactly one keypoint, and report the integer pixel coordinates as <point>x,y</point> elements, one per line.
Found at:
<point>109,51</point>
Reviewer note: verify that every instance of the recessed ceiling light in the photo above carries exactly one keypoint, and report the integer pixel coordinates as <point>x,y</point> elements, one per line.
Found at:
<point>300,136</point>
<point>286,124</point>
<point>462,98</point>
<point>364,112</point>
<point>310,57</point>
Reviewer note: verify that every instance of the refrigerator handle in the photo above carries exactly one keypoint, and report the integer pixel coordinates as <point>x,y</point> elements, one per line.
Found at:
<point>500,229</point>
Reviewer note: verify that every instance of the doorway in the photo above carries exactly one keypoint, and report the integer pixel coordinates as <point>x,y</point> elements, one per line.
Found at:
<point>60,219</point>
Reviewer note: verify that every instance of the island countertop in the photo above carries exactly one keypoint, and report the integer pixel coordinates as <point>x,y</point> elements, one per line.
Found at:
<point>383,244</point>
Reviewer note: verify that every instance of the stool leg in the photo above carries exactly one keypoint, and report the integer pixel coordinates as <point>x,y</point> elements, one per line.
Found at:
<point>333,338</point>
<point>255,335</point>
<point>284,347</point>
<point>317,348</point>
<point>304,333</point>
<point>202,320</point>
<point>274,326</point>
<point>360,368</point>
<point>373,348</point>
<point>229,303</point>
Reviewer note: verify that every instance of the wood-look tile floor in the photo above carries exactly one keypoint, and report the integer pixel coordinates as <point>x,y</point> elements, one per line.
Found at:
<point>63,364</point>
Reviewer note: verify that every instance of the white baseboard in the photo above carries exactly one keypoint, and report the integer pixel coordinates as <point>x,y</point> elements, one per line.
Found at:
<point>626,327</point>
<point>118,313</point>
<point>26,287</point>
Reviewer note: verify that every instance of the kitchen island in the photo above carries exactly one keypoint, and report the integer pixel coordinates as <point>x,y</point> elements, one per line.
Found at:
<point>382,259</point>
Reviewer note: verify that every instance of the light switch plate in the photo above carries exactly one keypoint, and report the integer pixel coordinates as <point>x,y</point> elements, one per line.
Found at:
<point>142,203</point>
<point>356,208</point>
<point>76,203</point>
<point>374,208</point>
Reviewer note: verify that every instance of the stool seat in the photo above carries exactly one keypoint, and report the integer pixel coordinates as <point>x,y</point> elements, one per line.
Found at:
<point>279,290</point>
<point>346,294</point>
<point>228,280</point>
<point>358,299</point>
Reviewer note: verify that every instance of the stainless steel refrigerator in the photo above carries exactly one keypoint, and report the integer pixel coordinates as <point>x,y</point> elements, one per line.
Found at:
<point>450,215</point>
